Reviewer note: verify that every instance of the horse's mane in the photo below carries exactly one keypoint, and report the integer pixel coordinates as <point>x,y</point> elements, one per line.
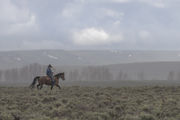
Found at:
<point>57,74</point>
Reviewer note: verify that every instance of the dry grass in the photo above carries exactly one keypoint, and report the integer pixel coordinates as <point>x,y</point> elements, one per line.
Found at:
<point>90,103</point>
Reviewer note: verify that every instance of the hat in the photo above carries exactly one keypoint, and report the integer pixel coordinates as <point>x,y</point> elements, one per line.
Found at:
<point>49,65</point>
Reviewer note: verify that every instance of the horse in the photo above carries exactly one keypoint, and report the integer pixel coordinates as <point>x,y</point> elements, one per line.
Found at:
<point>47,81</point>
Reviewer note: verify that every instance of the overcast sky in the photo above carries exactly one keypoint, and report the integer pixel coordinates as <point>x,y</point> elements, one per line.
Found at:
<point>90,24</point>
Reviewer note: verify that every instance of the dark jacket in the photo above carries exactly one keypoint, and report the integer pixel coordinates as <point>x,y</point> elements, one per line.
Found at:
<point>49,72</point>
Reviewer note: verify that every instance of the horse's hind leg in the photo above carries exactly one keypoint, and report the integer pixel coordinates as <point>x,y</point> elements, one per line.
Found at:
<point>41,86</point>
<point>38,86</point>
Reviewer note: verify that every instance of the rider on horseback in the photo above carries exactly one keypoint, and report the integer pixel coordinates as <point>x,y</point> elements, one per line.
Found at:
<point>49,73</point>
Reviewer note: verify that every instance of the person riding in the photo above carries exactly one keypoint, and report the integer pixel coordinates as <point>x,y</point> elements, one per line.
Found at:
<point>49,73</point>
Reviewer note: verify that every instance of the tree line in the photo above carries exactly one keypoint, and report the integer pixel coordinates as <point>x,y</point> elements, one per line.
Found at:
<point>88,73</point>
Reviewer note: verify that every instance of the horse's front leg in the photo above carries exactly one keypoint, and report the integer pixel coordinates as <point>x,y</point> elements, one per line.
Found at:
<point>52,87</point>
<point>58,86</point>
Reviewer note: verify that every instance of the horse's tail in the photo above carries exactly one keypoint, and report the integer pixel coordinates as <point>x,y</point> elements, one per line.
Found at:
<point>34,82</point>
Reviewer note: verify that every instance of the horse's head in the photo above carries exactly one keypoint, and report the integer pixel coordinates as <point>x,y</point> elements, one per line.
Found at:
<point>60,75</point>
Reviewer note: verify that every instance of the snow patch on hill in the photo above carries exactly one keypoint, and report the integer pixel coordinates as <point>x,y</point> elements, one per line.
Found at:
<point>18,59</point>
<point>53,57</point>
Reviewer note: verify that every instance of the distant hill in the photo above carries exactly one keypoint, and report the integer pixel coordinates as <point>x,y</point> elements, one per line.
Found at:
<point>15,59</point>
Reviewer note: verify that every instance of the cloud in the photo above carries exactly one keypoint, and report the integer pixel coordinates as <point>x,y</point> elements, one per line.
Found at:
<point>72,9</point>
<point>88,23</point>
<point>94,36</point>
<point>112,13</point>
<point>159,5</point>
<point>69,12</point>
<point>155,3</point>
<point>117,22</point>
<point>91,36</point>
<point>121,1</point>
<point>102,1</point>
<point>24,27</point>
<point>144,34</point>
<point>15,20</point>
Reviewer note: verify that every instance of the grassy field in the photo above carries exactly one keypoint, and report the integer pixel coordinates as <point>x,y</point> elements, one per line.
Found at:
<point>90,103</point>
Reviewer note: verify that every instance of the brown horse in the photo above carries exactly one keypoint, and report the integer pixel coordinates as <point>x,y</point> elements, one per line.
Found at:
<point>47,81</point>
